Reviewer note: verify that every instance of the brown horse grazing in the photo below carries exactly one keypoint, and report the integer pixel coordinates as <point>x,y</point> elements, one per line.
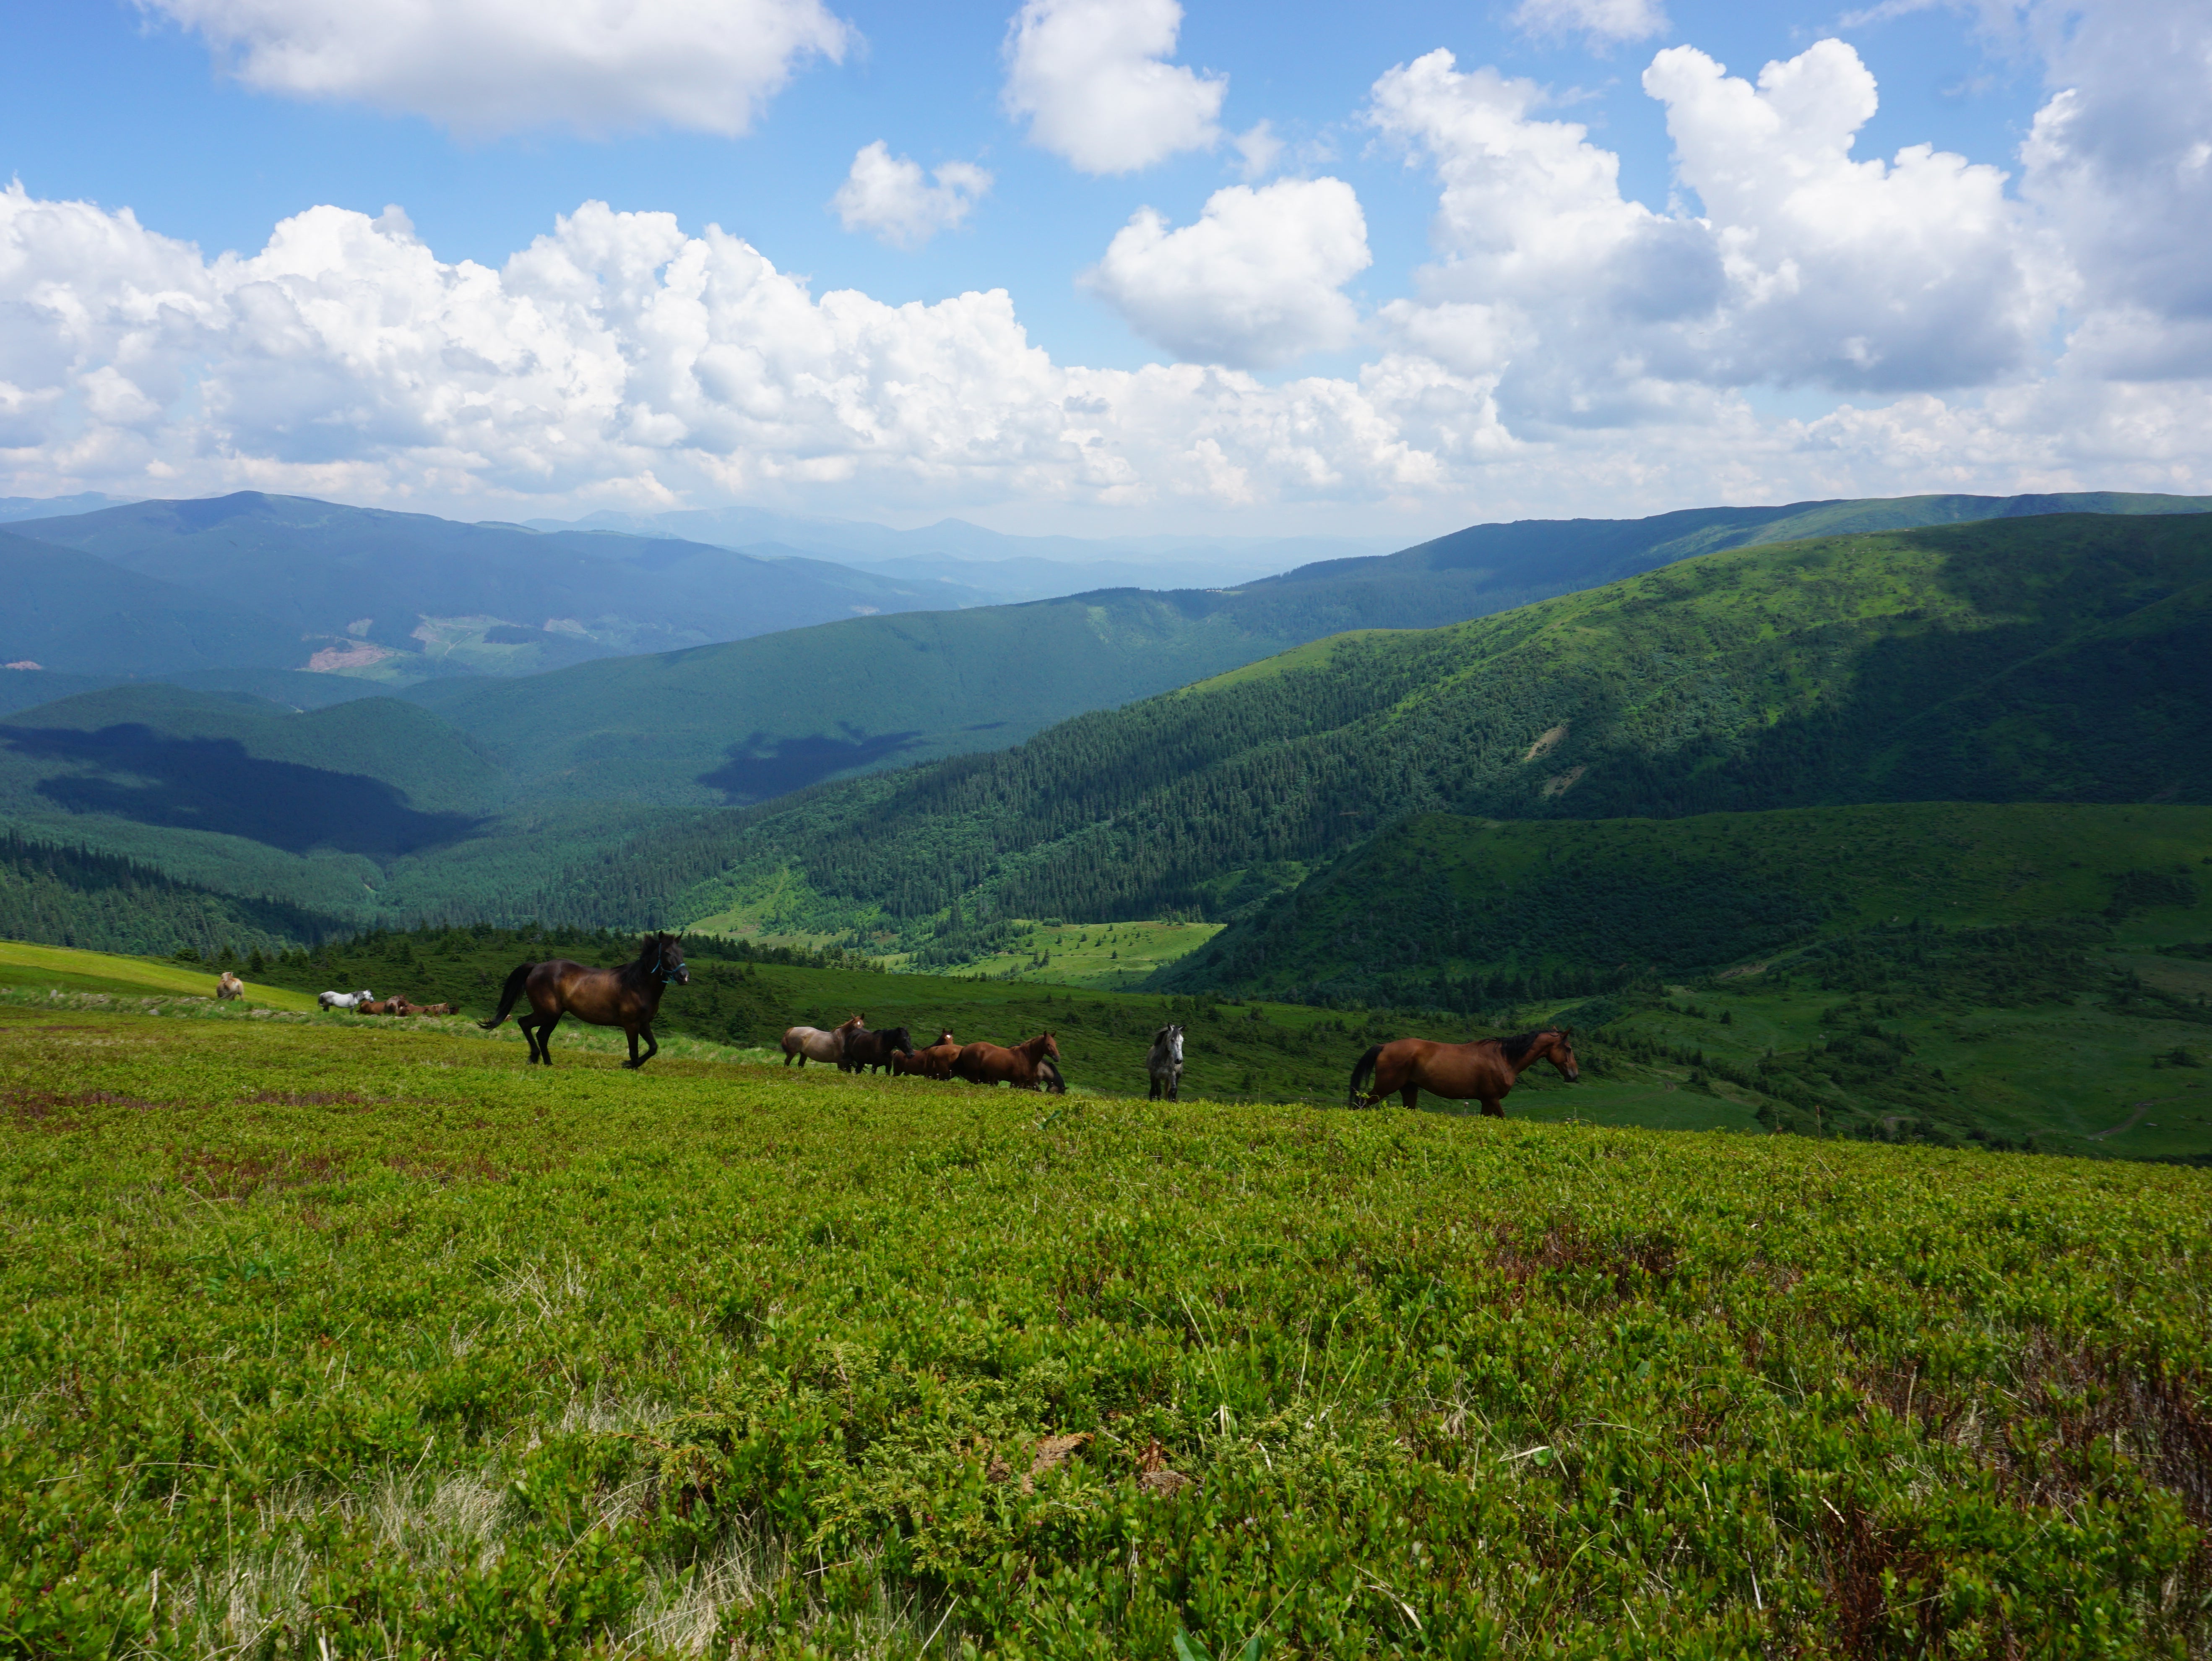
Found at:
<point>991,1063</point>
<point>629,997</point>
<point>814,1044</point>
<point>1484,1071</point>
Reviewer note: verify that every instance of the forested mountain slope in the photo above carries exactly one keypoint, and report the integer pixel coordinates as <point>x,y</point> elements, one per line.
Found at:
<point>1474,914</point>
<point>2065,658</point>
<point>754,719</point>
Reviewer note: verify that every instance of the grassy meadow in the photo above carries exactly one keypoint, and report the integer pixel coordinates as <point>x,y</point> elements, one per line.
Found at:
<point>1110,956</point>
<point>332,1338</point>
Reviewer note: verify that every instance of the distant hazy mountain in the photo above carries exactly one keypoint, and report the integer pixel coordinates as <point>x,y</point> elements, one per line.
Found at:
<point>1004,566</point>
<point>69,612</point>
<point>407,596</point>
<point>85,501</point>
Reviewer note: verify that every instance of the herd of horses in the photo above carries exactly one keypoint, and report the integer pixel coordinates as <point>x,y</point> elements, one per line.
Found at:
<point>1484,1070</point>
<point>853,1047</point>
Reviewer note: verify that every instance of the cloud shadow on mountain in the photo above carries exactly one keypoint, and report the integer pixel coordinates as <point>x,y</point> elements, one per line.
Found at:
<point>760,768</point>
<point>213,784</point>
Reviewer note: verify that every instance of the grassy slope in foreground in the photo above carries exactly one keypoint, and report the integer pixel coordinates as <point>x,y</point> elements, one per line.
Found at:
<point>37,967</point>
<point>399,1346</point>
<point>2033,1045</point>
<point>1993,662</point>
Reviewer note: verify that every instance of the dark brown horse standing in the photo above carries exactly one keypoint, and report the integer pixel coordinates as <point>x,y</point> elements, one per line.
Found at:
<point>1484,1071</point>
<point>629,997</point>
<point>1021,1067</point>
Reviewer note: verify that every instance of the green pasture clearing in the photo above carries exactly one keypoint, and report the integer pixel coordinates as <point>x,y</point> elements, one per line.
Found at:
<point>27,967</point>
<point>1110,956</point>
<point>325,1340</point>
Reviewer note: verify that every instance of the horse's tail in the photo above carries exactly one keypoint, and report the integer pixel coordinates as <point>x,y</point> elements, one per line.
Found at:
<point>1361,1068</point>
<point>508,995</point>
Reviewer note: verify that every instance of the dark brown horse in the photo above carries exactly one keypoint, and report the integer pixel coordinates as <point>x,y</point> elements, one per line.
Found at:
<point>1484,1071</point>
<point>869,1051</point>
<point>1020,1067</point>
<point>629,997</point>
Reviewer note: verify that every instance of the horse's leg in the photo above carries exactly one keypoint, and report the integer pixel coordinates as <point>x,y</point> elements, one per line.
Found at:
<point>527,1026</point>
<point>1175,1085</point>
<point>1410,1094</point>
<point>1491,1109</point>
<point>545,1025</point>
<point>652,1044</point>
<point>1156,1087</point>
<point>630,1032</point>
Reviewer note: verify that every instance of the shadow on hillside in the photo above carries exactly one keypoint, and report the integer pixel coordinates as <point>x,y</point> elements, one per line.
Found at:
<point>212,784</point>
<point>760,766</point>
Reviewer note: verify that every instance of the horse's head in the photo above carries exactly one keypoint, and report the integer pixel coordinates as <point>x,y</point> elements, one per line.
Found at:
<point>662,958</point>
<point>855,1024</point>
<point>900,1043</point>
<point>1051,1045</point>
<point>945,1037</point>
<point>1553,1046</point>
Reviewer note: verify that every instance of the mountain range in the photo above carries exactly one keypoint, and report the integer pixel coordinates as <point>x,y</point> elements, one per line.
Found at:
<point>911,779</point>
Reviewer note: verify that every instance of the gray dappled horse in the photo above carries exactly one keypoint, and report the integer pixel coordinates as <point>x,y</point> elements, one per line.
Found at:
<point>1166,1063</point>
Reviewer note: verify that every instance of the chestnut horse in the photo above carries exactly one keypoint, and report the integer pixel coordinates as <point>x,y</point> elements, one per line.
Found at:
<point>629,997</point>
<point>815,1043</point>
<point>991,1063</point>
<point>934,1062</point>
<point>1483,1071</point>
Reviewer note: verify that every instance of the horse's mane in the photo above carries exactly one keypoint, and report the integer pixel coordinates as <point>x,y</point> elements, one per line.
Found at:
<point>634,972</point>
<point>1521,1042</point>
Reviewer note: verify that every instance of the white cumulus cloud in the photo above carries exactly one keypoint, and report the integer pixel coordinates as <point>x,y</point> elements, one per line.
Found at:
<point>2119,161</point>
<point>1564,350</point>
<point>497,65</point>
<point>1256,281</point>
<point>1806,265</point>
<point>1092,80</point>
<point>888,196</point>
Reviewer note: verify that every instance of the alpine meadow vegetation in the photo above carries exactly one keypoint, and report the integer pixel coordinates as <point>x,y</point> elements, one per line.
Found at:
<point>328,1338</point>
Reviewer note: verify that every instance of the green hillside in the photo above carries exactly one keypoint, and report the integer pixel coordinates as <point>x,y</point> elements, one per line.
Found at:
<point>334,1337</point>
<point>747,722</point>
<point>1439,899</point>
<point>2061,657</point>
<point>758,718</point>
<point>71,896</point>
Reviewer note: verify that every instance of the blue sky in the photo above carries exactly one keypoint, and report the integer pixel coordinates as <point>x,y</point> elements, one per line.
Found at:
<point>1974,371</point>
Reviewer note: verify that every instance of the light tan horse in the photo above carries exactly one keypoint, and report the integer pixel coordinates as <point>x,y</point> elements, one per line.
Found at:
<point>229,987</point>
<point>1484,1071</point>
<point>629,997</point>
<point>813,1043</point>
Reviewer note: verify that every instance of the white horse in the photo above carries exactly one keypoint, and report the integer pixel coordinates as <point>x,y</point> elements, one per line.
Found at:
<point>229,987</point>
<point>1166,1063</point>
<point>346,999</point>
